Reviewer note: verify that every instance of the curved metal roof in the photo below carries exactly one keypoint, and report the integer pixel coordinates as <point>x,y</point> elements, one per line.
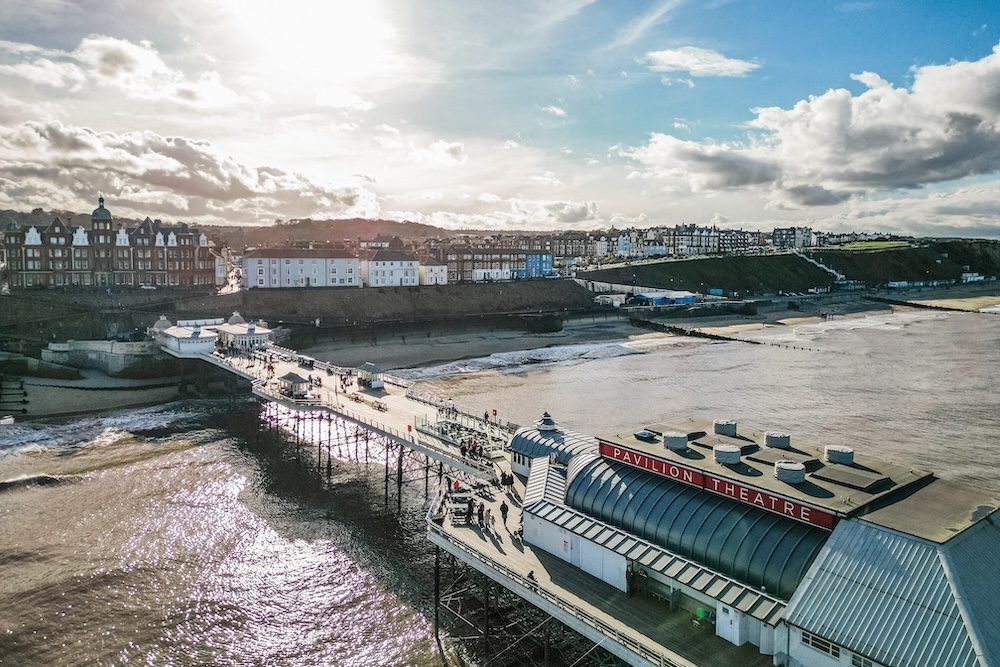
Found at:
<point>533,442</point>
<point>739,540</point>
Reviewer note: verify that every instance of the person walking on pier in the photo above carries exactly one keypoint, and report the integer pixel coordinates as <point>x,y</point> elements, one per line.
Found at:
<point>479,515</point>
<point>488,520</point>
<point>503,512</point>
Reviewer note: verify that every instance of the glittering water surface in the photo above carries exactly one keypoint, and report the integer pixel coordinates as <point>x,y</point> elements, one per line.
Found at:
<point>156,538</point>
<point>166,536</point>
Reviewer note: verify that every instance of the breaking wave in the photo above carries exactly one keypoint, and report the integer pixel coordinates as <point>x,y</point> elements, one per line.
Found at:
<point>519,360</point>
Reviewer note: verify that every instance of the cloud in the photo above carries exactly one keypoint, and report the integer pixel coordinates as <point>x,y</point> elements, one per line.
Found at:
<point>20,15</point>
<point>638,28</point>
<point>64,166</point>
<point>136,70</point>
<point>555,111</point>
<point>704,166</point>
<point>567,213</point>
<point>697,62</point>
<point>835,146</point>
<point>341,98</point>
<point>443,153</point>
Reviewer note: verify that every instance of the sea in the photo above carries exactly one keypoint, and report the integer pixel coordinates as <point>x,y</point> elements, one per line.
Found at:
<point>173,535</point>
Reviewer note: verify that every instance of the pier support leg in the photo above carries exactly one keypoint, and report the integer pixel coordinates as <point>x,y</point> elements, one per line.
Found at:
<point>386,444</point>
<point>486,616</point>
<point>399,480</point>
<point>437,592</point>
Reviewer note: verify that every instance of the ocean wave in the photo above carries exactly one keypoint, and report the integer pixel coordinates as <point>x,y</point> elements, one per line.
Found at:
<point>814,330</point>
<point>521,359</point>
<point>101,429</point>
<point>40,479</point>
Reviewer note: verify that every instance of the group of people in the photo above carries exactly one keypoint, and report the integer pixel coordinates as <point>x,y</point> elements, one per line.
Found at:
<point>484,515</point>
<point>471,448</point>
<point>507,481</point>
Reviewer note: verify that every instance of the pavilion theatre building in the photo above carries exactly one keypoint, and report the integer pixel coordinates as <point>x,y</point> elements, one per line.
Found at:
<point>817,557</point>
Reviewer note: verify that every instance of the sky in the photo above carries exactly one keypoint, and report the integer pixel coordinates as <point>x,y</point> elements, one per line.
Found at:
<point>877,116</point>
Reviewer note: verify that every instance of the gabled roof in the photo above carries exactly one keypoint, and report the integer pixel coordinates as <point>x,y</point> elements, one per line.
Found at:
<point>298,253</point>
<point>293,378</point>
<point>902,600</point>
<point>391,256</point>
<point>57,226</point>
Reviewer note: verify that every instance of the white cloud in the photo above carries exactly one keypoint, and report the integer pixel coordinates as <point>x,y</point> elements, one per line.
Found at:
<point>341,98</point>
<point>669,81</point>
<point>443,153</point>
<point>57,165</point>
<point>833,147</point>
<point>697,62</point>
<point>638,28</point>
<point>136,70</point>
<point>555,111</point>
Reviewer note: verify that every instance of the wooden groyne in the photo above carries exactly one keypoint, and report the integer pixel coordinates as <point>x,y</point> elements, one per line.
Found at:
<point>917,304</point>
<point>681,331</point>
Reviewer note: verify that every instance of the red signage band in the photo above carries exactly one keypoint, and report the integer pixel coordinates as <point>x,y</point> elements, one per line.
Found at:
<point>721,486</point>
<point>653,464</point>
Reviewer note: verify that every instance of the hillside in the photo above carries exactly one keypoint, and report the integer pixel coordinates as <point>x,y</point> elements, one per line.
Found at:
<point>770,274</point>
<point>745,276</point>
<point>319,231</point>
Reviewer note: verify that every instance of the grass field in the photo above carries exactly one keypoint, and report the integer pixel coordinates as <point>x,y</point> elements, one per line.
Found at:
<point>870,245</point>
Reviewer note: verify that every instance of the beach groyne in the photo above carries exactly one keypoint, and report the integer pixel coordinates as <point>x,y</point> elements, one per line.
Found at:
<point>682,331</point>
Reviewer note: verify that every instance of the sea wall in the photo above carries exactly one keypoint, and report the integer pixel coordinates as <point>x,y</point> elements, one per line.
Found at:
<point>116,359</point>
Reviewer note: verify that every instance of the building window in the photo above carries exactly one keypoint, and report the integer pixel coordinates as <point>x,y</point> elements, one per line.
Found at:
<point>820,644</point>
<point>859,661</point>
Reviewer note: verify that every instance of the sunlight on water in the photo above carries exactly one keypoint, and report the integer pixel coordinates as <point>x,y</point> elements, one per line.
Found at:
<point>163,536</point>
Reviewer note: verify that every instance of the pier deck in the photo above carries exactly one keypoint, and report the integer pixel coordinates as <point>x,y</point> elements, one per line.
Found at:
<point>642,631</point>
<point>392,412</point>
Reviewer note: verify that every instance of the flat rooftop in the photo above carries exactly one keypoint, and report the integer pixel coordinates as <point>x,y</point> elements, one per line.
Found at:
<point>891,495</point>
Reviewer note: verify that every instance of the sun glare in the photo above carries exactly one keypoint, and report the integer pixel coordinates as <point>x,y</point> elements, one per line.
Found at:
<point>330,42</point>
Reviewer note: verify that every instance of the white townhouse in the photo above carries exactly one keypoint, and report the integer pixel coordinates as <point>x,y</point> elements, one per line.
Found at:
<point>300,267</point>
<point>433,272</point>
<point>390,268</point>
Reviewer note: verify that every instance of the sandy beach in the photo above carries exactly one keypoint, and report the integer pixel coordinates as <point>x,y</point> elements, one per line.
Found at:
<point>95,391</point>
<point>410,351</point>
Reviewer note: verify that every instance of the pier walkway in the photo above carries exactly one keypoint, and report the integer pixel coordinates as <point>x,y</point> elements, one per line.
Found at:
<point>420,422</point>
<point>639,630</point>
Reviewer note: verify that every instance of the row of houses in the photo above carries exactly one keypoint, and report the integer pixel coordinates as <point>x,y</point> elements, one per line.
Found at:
<point>387,267</point>
<point>148,255</point>
<point>153,254</point>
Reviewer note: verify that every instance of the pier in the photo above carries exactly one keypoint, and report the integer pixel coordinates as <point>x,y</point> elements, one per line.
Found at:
<point>514,599</point>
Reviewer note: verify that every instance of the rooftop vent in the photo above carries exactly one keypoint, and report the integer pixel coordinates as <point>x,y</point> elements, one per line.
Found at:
<point>546,423</point>
<point>726,454</point>
<point>790,471</point>
<point>675,441</point>
<point>777,440</point>
<point>727,427</point>
<point>839,454</point>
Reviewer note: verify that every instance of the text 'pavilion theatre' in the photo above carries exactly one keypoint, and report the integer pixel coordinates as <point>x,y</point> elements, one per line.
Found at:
<point>818,558</point>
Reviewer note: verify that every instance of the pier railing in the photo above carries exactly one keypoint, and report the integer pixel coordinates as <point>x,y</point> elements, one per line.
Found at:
<point>485,467</point>
<point>628,641</point>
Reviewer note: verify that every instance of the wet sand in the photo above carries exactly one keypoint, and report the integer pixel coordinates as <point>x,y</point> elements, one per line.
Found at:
<point>410,351</point>
<point>98,392</point>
